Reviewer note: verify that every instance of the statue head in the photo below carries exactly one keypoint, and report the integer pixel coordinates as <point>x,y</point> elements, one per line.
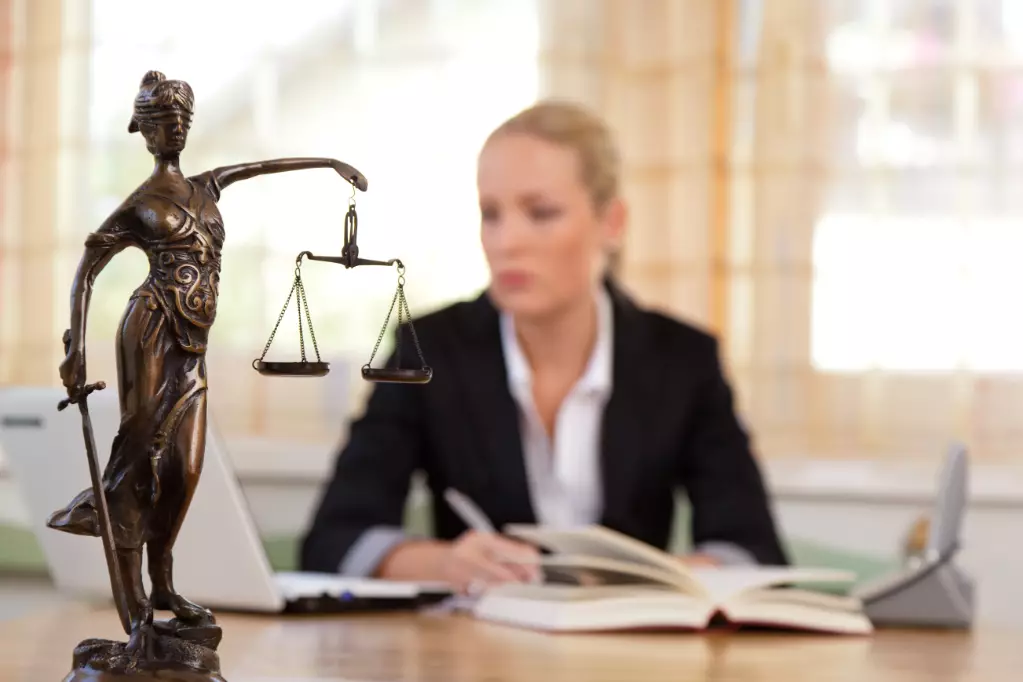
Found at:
<point>163,114</point>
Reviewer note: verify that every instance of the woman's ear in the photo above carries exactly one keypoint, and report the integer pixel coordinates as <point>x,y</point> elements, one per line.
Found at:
<point>613,224</point>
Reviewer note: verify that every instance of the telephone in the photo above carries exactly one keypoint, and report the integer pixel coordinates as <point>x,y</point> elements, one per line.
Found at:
<point>930,589</point>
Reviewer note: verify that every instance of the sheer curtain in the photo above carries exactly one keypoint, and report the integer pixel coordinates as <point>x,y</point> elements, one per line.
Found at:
<point>779,170</point>
<point>654,70</point>
<point>31,45</point>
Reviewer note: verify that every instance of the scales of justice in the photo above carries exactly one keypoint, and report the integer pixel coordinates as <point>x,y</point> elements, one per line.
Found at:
<point>140,500</point>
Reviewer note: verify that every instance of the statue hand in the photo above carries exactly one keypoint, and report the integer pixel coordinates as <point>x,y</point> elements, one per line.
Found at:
<point>72,372</point>
<point>350,174</point>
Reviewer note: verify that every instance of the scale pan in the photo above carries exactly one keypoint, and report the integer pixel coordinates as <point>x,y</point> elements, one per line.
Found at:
<point>291,369</point>
<point>397,376</point>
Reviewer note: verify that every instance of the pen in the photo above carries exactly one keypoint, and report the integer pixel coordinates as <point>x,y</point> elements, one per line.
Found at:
<point>467,510</point>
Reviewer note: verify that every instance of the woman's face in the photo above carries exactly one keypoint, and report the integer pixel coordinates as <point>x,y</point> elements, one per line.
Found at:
<point>167,133</point>
<point>544,240</point>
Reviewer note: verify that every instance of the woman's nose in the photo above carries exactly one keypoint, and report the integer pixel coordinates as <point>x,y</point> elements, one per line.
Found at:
<point>508,240</point>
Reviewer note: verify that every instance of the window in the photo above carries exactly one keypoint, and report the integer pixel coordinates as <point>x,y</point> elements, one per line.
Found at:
<point>917,251</point>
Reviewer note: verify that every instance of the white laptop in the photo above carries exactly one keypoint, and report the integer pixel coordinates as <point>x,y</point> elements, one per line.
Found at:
<point>219,559</point>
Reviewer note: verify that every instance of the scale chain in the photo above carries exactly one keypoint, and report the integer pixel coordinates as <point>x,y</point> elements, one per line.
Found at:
<point>399,298</point>
<point>383,330</point>
<point>309,319</point>
<point>415,337</point>
<point>298,305</point>
<point>280,317</point>
<point>398,330</point>
<point>302,304</point>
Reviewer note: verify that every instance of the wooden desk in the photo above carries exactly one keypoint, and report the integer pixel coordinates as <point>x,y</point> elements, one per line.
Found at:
<point>428,648</point>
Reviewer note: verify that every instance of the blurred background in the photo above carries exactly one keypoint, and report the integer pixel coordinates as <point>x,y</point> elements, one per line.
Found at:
<point>828,185</point>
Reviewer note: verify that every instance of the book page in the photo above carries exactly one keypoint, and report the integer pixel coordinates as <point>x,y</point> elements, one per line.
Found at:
<point>593,570</point>
<point>571,593</point>
<point>729,582</point>
<point>599,542</point>
<point>806,598</point>
<point>716,584</point>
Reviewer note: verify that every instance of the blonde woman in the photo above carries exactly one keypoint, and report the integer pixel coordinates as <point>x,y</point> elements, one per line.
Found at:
<point>556,399</point>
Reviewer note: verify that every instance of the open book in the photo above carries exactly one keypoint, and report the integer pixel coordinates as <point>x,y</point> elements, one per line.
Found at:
<point>598,579</point>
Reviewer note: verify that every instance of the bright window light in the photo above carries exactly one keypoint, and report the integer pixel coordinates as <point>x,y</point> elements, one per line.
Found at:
<point>917,294</point>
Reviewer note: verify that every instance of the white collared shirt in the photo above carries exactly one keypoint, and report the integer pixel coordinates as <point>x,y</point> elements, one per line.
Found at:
<point>564,471</point>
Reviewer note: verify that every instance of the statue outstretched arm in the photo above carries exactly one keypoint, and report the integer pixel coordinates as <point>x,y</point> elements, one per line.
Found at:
<point>226,175</point>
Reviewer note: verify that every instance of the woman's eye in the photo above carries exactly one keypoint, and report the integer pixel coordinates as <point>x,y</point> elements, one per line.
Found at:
<point>488,215</point>
<point>544,213</point>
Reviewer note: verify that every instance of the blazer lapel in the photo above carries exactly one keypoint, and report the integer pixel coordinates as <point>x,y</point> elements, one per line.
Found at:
<point>623,441</point>
<point>494,413</point>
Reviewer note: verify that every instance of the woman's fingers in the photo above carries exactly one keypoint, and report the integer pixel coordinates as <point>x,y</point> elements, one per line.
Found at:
<point>485,558</point>
<point>521,559</point>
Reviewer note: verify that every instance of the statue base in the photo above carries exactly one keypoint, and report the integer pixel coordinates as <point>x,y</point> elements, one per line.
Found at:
<point>170,651</point>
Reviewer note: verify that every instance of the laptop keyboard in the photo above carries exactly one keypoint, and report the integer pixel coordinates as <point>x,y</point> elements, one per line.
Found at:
<point>294,585</point>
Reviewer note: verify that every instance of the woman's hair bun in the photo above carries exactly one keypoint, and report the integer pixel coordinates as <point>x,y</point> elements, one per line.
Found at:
<point>152,78</point>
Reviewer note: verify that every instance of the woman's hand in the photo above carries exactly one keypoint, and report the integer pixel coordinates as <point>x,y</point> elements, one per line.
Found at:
<point>476,560</point>
<point>350,174</point>
<point>699,561</point>
<point>72,371</point>
<point>471,562</point>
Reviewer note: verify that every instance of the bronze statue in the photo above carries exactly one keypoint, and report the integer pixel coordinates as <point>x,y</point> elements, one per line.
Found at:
<point>157,455</point>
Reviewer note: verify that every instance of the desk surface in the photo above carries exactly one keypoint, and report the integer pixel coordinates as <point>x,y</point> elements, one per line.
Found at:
<point>428,648</point>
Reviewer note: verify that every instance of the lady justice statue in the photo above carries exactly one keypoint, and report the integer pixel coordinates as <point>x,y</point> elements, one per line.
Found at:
<point>157,455</point>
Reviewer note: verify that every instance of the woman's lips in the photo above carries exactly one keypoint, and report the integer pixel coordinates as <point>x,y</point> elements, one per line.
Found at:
<point>513,279</point>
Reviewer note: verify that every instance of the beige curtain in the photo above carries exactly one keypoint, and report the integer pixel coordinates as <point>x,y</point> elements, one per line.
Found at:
<point>6,158</point>
<point>30,210</point>
<point>663,73</point>
<point>653,69</point>
<point>779,173</point>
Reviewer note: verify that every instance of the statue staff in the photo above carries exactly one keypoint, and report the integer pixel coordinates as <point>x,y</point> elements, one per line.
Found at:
<point>117,587</point>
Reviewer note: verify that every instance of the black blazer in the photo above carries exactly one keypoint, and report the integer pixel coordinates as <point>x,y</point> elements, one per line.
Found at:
<point>669,423</point>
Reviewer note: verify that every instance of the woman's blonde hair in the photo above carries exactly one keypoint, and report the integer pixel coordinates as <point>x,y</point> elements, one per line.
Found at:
<point>574,126</point>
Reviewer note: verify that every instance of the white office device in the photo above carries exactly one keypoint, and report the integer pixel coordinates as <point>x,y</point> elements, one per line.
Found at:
<point>219,559</point>
<point>930,590</point>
